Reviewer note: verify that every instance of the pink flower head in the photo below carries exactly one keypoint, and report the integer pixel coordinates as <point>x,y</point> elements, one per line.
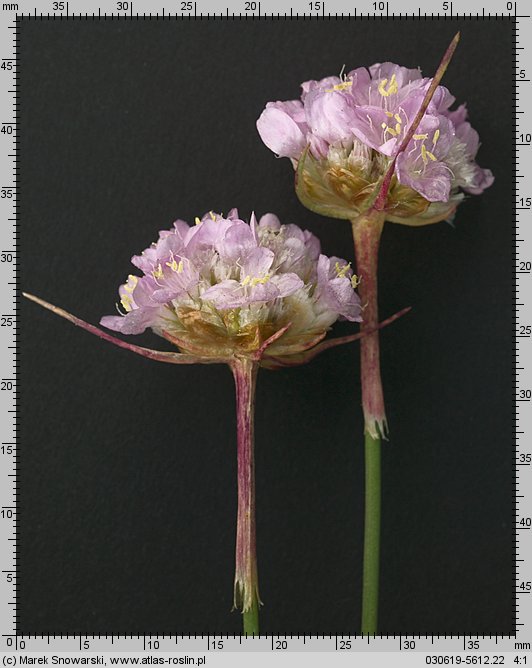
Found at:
<point>224,282</point>
<point>367,113</point>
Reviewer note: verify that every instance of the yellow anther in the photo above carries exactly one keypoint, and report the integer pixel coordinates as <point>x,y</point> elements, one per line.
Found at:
<point>420,136</point>
<point>341,86</point>
<point>157,273</point>
<point>211,214</point>
<point>341,270</point>
<point>131,283</point>
<point>435,138</point>
<point>260,281</point>
<point>256,281</point>
<point>126,301</point>
<point>426,154</point>
<point>398,126</point>
<point>180,267</point>
<point>392,87</point>
<point>354,281</point>
<point>173,264</point>
<point>197,220</point>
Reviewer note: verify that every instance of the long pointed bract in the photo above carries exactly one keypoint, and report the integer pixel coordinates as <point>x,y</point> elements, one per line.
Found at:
<point>380,201</point>
<point>157,355</point>
<point>275,362</point>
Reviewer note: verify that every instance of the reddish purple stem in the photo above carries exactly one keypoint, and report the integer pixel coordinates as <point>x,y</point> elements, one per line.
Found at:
<point>366,234</point>
<point>246,577</point>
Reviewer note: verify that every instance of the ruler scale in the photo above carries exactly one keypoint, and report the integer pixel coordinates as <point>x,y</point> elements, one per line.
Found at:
<point>12,640</point>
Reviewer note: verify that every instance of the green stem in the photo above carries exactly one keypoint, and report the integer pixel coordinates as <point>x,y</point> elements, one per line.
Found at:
<point>372,521</point>
<point>251,619</point>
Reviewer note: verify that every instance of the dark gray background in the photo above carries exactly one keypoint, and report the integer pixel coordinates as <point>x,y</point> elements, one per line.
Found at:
<point>128,494</point>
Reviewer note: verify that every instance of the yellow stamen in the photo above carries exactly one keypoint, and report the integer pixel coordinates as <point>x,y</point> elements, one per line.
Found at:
<point>261,281</point>
<point>354,281</point>
<point>126,301</point>
<point>197,220</point>
<point>131,283</point>
<point>247,280</point>
<point>426,154</point>
<point>435,138</point>
<point>211,214</point>
<point>341,86</point>
<point>392,87</point>
<point>420,136</point>
<point>157,273</point>
<point>341,271</point>
<point>173,264</point>
<point>398,126</point>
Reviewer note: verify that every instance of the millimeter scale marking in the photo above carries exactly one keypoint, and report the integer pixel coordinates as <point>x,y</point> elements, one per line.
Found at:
<point>12,636</point>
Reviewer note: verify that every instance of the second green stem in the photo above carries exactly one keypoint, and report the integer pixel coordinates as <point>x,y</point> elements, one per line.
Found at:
<point>251,619</point>
<point>372,525</point>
